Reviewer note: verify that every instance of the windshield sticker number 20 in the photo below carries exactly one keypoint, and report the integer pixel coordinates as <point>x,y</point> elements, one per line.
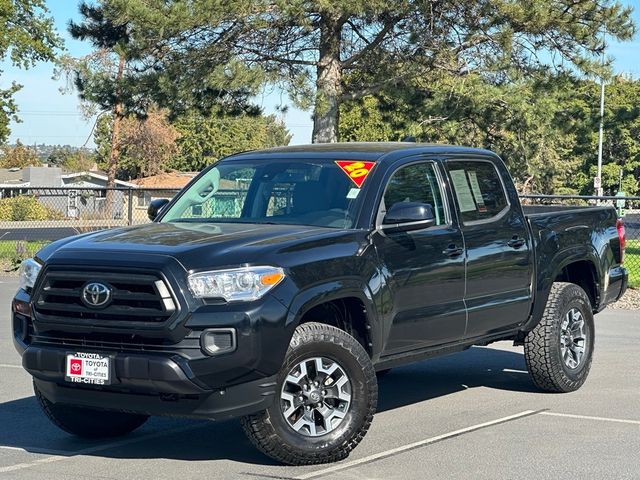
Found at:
<point>357,171</point>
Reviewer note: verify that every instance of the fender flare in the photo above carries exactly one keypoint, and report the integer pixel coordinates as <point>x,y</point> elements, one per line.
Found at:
<point>337,289</point>
<point>561,260</point>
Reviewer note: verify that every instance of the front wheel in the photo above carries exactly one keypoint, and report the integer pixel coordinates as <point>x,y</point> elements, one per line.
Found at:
<point>328,394</point>
<point>559,350</point>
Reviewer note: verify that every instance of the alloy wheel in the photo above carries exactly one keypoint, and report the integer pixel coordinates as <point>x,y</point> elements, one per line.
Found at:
<point>315,396</point>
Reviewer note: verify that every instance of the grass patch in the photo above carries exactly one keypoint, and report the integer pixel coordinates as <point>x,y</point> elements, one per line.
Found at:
<point>13,251</point>
<point>632,262</point>
<point>12,248</point>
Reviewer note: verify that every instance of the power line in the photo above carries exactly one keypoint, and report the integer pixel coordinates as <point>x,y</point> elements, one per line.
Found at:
<point>76,114</point>
<point>50,112</point>
<point>48,136</point>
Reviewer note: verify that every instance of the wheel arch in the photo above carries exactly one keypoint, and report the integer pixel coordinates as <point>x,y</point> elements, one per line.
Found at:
<point>346,304</point>
<point>568,265</point>
<point>584,274</point>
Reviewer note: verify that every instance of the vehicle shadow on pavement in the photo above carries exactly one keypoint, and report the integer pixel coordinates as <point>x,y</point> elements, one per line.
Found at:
<point>24,426</point>
<point>475,367</point>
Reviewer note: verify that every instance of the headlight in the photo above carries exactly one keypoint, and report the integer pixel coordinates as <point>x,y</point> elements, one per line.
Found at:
<point>29,270</point>
<point>237,284</point>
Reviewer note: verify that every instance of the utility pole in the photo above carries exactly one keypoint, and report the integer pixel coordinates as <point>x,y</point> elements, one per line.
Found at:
<point>597,182</point>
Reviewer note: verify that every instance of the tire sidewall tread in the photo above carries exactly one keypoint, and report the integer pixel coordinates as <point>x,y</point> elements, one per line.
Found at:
<point>268,430</point>
<point>542,344</point>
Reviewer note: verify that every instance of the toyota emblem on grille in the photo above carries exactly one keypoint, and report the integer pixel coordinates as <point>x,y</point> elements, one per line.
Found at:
<point>96,294</point>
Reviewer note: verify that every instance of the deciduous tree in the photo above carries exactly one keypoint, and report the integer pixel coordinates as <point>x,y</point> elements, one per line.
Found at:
<point>27,36</point>
<point>100,76</point>
<point>146,145</point>
<point>188,143</point>
<point>18,156</point>
<point>205,139</point>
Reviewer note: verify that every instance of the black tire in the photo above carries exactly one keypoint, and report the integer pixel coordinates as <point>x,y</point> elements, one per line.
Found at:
<point>269,430</point>
<point>87,422</point>
<point>542,346</point>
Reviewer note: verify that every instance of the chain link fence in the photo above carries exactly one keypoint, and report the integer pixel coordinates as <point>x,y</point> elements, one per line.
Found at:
<point>32,217</point>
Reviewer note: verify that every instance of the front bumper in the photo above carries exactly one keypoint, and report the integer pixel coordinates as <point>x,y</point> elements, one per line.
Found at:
<point>174,379</point>
<point>131,372</point>
<point>146,384</point>
<point>243,399</point>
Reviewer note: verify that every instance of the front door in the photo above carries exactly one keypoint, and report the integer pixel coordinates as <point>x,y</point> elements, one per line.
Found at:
<point>424,268</point>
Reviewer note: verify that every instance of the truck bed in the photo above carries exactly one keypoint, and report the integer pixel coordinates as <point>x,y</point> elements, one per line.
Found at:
<point>562,234</point>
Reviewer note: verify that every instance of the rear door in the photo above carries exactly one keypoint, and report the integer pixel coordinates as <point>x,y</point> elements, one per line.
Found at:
<point>498,250</point>
<point>424,268</point>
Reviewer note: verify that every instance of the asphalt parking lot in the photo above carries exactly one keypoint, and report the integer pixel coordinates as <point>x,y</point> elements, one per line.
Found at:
<point>471,415</point>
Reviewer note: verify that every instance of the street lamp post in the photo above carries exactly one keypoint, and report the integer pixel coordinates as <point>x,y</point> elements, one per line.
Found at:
<point>597,182</point>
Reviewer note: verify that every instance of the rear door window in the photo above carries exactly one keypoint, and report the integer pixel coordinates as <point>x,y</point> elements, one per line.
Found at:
<point>478,190</point>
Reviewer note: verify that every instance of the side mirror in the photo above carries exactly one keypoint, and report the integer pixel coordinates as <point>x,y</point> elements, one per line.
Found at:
<point>405,216</point>
<point>155,206</point>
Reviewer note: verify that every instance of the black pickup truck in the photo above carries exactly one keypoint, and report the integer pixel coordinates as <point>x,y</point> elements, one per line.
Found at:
<point>279,284</point>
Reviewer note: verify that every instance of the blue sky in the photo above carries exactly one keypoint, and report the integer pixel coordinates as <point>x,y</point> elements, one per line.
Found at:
<point>50,117</point>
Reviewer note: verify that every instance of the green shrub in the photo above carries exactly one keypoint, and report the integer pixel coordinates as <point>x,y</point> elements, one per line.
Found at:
<point>26,208</point>
<point>6,208</point>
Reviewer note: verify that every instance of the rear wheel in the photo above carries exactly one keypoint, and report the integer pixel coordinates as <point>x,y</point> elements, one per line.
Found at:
<point>88,422</point>
<point>328,395</point>
<point>559,350</point>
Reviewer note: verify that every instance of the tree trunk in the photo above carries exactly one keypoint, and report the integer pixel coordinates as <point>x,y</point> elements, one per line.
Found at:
<point>328,83</point>
<point>112,167</point>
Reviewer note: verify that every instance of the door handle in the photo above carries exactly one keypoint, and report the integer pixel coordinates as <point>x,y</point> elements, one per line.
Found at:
<point>516,242</point>
<point>453,251</point>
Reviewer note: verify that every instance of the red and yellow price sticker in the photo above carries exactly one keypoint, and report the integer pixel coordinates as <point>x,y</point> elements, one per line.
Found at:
<point>356,170</point>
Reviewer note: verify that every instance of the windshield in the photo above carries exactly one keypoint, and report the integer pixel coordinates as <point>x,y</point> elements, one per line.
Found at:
<point>296,192</point>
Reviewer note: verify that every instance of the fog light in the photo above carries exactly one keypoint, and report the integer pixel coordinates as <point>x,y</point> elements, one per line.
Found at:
<point>18,306</point>
<point>218,340</point>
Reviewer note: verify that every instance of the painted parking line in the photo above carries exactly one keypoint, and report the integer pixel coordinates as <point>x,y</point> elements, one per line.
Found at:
<point>8,365</point>
<point>414,445</point>
<point>587,417</point>
<point>98,448</point>
<point>511,370</point>
<point>45,451</point>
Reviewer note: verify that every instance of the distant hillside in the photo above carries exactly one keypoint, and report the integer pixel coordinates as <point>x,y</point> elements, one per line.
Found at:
<point>51,153</point>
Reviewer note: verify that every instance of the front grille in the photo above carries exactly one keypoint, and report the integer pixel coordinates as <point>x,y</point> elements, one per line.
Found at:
<point>138,297</point>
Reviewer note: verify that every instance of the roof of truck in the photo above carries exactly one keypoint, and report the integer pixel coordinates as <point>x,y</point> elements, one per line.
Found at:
<point>363,150</point>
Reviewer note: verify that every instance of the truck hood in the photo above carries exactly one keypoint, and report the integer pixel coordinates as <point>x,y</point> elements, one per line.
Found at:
<point>194,245</point>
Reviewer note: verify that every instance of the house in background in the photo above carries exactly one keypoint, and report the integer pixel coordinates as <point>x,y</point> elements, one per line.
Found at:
<point>11,179</point>
<point>75,195</point>
<point>163,185</point>
<point>226,202</point>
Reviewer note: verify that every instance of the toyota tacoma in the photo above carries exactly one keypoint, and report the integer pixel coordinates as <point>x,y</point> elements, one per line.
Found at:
<point>277,283</point>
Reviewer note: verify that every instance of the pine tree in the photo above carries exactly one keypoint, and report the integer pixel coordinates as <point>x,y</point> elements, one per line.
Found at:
<point>327,52</point>
<point>99,77</point>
